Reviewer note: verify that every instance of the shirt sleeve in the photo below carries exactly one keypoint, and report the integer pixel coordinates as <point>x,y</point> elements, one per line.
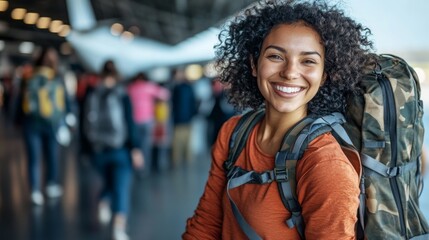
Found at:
<point>207,220</point>
<point>162,93</point>
<point>328,190</point>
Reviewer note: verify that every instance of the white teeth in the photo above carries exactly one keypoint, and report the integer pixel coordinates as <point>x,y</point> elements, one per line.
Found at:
<point>288,89</point>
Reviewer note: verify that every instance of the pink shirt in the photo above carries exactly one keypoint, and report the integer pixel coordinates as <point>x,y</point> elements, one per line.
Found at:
<point>143,95</point>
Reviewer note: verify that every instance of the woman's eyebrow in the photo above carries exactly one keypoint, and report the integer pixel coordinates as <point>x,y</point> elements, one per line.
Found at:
<point>302,53</point>
<point>311,53</point>
<point>276,47</point>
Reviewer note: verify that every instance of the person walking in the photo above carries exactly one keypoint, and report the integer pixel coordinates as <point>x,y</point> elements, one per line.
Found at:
<point>184,107</point>
<point>110,138</point>
<point>43,105</point>
<point>144,94</point>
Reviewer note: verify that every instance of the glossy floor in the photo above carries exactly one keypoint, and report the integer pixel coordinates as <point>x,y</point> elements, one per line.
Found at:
<point>161,203</point>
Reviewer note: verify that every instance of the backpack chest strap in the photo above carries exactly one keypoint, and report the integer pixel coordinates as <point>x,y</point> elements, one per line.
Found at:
<point>384,170</point>
<point>238,176</point>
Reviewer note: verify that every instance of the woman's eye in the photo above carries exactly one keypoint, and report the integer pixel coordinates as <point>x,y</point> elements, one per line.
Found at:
<point>309,61</point>
<point>275,57</point>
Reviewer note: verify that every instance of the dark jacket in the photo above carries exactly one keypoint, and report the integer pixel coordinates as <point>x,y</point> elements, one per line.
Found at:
<point>184,103</point>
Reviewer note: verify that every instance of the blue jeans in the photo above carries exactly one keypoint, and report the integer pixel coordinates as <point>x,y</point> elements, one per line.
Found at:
<point>40,138</point>
<point>146,138</point>
<point>116,171</point>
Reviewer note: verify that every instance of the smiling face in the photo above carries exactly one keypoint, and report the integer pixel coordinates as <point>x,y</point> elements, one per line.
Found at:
<point>290,68</point>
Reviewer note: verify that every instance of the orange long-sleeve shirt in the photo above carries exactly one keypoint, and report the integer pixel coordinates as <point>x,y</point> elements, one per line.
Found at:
<point>327,189</point>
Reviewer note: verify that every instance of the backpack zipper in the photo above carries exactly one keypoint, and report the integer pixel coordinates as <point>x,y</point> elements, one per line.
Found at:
<point>390,123</point>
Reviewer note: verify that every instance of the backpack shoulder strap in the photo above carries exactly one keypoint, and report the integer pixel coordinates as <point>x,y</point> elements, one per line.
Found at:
<point>236,144</point>
<point>240,134</point>
<point>294,144</point>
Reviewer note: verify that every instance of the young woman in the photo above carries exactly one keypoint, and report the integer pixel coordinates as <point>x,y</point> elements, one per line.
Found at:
<point>293,59</point>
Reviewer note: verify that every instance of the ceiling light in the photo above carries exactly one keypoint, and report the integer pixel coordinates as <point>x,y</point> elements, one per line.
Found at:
<point>26,47</point>
<point>135,30</point>
<point>116,29</point>
<point>4,5</point>
<point>31,18</point>
<point>210,70</point>
<point>160,74</point>
<point>43,22</point>
<point>56,26</point>
<point>65,31</point>
<point>193,72</point>
<point>18,13</point>
<point>127,36</point>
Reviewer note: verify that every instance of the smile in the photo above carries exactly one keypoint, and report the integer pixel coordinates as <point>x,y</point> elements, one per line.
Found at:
<point>288,89</point>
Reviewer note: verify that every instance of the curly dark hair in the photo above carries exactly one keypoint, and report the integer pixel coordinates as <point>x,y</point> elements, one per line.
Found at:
<point>346,44</point>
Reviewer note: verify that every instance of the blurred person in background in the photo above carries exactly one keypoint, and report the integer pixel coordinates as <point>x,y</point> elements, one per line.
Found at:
<point>221,111</point>
<point>6,90</point>
<point>162,134</point>
<point>42,106</point>
<point>143,94</point>
<point>110,138</point>
<point>22,74</point>
<point>1,95</point>
<point>86,79</point>
<point>184,108</point>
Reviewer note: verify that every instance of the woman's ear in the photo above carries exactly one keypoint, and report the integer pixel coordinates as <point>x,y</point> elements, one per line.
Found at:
<point>324,77</point>
<point>252,65</point>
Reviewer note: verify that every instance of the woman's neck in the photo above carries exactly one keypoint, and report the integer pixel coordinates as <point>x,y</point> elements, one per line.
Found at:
<point>273,128</point>
<point>109,81</point>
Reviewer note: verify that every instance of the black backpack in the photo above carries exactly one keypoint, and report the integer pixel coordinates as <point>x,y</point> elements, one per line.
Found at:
<point>104,123</point>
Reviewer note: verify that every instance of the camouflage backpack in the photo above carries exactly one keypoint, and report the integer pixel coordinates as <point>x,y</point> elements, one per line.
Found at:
<point>384,125</point>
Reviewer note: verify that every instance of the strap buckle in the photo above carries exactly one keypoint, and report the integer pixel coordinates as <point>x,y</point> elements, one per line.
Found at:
<point>393,171</point>
<point>262,178</point>
<point>294,219</point>
<point>281,174</point>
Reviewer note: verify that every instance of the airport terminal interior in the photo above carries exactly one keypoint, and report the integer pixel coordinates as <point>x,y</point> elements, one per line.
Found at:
<point>155,37</point>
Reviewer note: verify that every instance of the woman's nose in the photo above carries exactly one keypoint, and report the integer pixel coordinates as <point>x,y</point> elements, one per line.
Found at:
<point>290,71</point>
